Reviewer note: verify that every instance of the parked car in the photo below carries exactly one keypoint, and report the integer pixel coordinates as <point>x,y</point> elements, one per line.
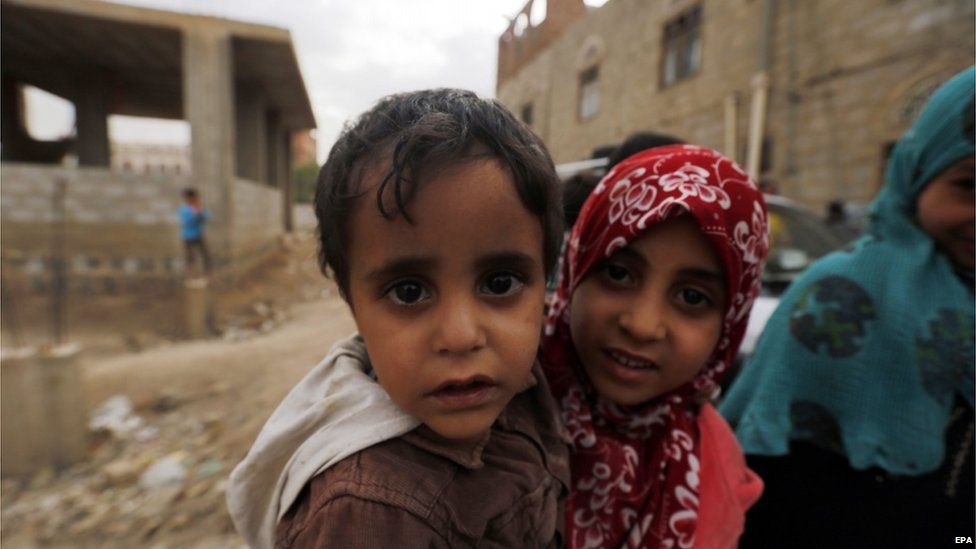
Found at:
<point>797,238</point>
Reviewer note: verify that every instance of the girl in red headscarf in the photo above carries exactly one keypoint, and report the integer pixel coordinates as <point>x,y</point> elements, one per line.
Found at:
<point>659,276</point>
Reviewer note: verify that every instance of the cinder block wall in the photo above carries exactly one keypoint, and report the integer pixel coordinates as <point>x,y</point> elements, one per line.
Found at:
<point>258,224</point>
<point>119,232</point>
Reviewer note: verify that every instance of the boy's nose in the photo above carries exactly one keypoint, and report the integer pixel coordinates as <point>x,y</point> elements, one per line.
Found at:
<point>460,329</point>
<point>644,322</point>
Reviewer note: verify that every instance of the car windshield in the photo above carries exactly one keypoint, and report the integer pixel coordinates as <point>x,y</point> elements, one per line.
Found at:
<point>796,239</point>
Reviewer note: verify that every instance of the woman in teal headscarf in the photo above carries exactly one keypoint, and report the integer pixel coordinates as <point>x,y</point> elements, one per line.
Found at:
<point>857,408</point>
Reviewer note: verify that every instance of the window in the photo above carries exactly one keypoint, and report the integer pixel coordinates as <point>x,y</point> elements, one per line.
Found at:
<point>589,96</point>
<point>682,46</point>
<point>527,113</point>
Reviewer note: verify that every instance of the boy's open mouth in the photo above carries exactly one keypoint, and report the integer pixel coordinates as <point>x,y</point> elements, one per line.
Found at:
<point>470,387</point>
<point>628,360</point>
<point>463,386</point>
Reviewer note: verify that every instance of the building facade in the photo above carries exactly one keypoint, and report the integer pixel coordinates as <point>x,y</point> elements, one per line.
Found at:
<point>809,95</point>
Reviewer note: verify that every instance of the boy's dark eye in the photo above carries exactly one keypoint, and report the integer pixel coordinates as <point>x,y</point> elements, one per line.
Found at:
<point>501,284</point>
<point>407,293</point>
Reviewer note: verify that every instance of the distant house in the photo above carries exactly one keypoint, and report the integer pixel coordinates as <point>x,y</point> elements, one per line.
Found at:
<point>809,94</point>
<point>236,84</point>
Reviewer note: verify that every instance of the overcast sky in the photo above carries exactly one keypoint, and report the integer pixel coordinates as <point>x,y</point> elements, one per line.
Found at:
<point>351,53</point>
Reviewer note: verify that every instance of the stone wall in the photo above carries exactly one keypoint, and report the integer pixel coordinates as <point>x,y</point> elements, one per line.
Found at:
<point>846,79</point>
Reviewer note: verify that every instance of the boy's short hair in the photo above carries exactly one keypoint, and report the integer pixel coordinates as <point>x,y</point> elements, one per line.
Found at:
<point>189,192</point>
<point>415,136</point>
<point>576,190</point>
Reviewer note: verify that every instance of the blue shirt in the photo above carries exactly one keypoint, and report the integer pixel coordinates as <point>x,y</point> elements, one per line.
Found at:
<point>192,222</point>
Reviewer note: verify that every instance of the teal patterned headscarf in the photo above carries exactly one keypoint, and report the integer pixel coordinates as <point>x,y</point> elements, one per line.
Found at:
<point>869,348</point>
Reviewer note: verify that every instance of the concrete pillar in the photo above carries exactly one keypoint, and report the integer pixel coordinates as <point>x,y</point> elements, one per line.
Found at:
<point>208,103</point>
<point>274,134</point>
<point>23,447</point>
<point>65,411</point>
<point>286,173</point>
<point>279,164</point>
<point>197,308</point>
<point>251,133</point>
<point>12,133</point>
<point>91,117</point>
<point>43,409</point>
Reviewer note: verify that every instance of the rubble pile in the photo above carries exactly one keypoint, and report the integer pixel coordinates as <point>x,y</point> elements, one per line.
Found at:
<point>263,318</point>
<point>150,478</point>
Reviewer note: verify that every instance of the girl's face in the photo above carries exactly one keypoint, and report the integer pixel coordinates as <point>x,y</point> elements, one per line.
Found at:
<point>645,321</point>
<point>946,212</point>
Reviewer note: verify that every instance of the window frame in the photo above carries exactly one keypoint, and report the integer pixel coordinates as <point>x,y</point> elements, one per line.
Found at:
<point>682,35</point>
<point>588,77</point>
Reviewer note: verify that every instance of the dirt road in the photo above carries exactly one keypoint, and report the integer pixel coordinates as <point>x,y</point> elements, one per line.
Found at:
<point>200,404</point>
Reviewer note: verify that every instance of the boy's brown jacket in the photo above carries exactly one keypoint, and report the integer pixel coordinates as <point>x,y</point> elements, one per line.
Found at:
<point>418,490</point>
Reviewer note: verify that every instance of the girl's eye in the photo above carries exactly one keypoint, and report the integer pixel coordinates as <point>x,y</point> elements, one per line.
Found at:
<point>407,292</point>
<point>501,284</point>
<point>965,184</point>
<point>619,274</point>
<point>694,298</point>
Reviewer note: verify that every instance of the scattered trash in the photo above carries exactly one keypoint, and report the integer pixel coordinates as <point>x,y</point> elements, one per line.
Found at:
<point>115,416</point>
<point>165,403</point>
<point>169,469</point>
<point>148,433</point>
<point>209,468</point>
<point>122,472</point>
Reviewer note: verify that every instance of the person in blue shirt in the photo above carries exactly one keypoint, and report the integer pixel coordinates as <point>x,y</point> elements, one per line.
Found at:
<point>193,219</point>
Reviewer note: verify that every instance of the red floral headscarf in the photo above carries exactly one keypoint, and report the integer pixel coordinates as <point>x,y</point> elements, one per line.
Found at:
<point>636,469</point>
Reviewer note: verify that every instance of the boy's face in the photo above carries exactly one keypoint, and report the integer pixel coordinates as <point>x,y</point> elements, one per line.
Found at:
<point>645,321</point>
<point>451,306</point>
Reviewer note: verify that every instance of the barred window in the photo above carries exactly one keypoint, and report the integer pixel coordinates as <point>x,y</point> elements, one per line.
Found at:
<point>682,46</point>
<point>589,93</point>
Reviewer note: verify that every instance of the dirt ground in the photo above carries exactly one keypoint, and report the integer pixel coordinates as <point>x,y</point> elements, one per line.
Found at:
<point>197,406</point>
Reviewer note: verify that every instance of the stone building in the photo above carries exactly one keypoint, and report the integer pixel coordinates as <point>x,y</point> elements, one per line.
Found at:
<point>236,84</point>
<point>811,95</point>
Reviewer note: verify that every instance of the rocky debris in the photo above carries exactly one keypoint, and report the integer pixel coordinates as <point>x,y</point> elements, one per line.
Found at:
<point>136,490</point>
<point>141,341</point>
<point>261,319</point>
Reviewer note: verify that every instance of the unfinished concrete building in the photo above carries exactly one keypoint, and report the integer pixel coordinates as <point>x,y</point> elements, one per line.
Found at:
<point>239,87</point>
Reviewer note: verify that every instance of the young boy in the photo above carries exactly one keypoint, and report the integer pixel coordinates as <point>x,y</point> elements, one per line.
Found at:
<point>439,217</point>
<point>193,219</point>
